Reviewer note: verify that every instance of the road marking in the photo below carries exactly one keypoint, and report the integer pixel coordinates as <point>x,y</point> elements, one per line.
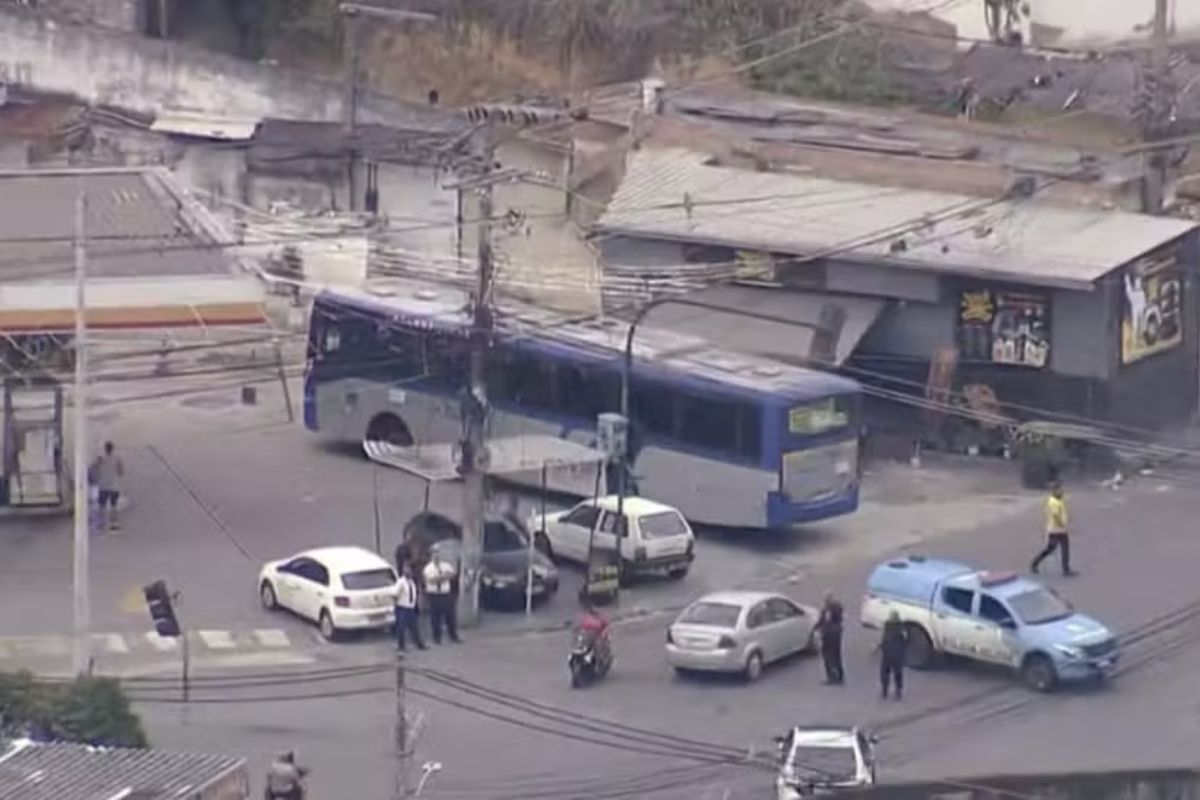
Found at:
<point>217,640</point>
<point>272,637</point>
<point>161,643</point>
<point>112,642</point>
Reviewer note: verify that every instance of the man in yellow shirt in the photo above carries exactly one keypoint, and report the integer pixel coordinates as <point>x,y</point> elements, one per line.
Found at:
<point>1056,532</point>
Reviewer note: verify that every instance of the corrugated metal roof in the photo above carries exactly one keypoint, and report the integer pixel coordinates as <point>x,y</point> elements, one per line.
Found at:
<point>205,126</point>
<point>30,771</point>
<point>734,330</point>
<point>677,195</point>
<point>138,224</point>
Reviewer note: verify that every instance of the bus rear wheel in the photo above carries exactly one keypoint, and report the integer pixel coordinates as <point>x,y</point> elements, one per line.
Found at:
<point>388,429</point>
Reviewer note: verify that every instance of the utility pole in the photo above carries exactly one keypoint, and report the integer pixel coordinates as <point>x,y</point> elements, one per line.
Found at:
<point>351,41</point>
<point>81,655</point>
<point>1159,103</point>
<point>403,752</point>
<point>475,404</point>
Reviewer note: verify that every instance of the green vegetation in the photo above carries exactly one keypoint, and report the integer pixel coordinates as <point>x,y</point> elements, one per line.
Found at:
<point>88,710</point>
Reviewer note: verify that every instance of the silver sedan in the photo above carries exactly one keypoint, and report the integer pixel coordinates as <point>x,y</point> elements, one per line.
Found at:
<point>739,632</point>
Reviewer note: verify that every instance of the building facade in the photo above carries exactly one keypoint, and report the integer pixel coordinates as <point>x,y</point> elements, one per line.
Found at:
<point>1061,313</point>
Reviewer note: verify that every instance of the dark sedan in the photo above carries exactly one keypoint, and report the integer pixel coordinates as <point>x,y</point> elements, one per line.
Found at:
<point>506,558</point>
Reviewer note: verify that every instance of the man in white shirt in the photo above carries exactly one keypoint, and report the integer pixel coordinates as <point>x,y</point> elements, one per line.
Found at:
<point>439,575</point>
<point>406,609</point>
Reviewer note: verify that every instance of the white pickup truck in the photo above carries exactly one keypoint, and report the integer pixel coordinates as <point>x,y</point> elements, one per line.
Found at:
<point>1000,618</point>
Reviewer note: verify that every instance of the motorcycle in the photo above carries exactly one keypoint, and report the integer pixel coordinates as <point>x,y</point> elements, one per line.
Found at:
<point>590,659</point>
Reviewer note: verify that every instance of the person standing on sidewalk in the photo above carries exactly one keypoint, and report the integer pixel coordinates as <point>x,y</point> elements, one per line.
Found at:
<point>829,628</point>
<point>892,648</point>
<point>108,470</point>
<point>439,575</point>
<point>1057,535</point>
<point>406,609</point>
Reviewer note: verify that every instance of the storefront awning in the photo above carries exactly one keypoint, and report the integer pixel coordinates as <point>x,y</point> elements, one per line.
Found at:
<point>737,329</point>
<point>135,303</point>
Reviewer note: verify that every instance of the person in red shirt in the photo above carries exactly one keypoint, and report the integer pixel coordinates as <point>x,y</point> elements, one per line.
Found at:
<point>593,624</point>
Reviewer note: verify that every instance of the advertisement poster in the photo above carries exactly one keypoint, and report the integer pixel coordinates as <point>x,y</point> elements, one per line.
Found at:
<point>1151,306</point>
<point>1004,327</point>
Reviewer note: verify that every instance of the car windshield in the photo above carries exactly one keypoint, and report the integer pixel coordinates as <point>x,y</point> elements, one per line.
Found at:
<point>719,615</point>
<point>833,764</point>
<point>1039,605</point>
<point>661,524</point>
<point>500,538</point>
<point>369,579</point>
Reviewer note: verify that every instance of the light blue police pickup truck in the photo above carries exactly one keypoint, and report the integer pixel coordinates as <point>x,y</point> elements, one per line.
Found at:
<point>999,618</point>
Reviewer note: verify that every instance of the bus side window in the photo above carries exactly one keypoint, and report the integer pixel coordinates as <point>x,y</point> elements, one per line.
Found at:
<point>710,424</point>
<point>749,431</point>
<point>331,339</point>
<point>653,408</point>
<point>534,383</point>
<point>586,392</point>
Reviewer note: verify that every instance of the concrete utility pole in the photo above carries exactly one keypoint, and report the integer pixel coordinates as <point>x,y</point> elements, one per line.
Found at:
<point>351,41</point>
<point>403,753</point>
<point>1159,99</point>
<point>475,405</point>
<point>81,651</point>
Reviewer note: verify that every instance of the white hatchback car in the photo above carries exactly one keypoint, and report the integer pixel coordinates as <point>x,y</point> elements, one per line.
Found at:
<point>339,588</point>
<point>656,537</point>
<point>823,759</point>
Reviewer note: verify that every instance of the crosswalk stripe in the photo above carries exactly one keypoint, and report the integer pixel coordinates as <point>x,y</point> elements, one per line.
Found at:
<point>112,642</point>
<point>272,637</point>
<point>161,643</point>
<point>217,640</point>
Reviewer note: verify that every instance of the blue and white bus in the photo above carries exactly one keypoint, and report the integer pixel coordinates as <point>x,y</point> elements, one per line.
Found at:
<point>729,439</point>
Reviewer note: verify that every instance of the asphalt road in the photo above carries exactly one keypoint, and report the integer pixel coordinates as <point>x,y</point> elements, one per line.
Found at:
<point>954,722</point>
<point>218,488</point>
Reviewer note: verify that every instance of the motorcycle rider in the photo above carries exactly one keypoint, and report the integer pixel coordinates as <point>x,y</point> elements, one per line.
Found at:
<point>285,779</point>
<point>593,628</point>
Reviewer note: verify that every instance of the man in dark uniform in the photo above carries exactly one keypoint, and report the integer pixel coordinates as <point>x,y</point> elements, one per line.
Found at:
<point>829,627</point>
<point>892,646</point>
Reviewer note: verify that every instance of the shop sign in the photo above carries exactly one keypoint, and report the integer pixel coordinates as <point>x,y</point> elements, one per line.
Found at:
<point>1151,306</point>
<point>1004,327</point>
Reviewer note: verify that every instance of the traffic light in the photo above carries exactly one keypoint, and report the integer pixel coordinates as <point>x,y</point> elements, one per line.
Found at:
<point>158,600</point>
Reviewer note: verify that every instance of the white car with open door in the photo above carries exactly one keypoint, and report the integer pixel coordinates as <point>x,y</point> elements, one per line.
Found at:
<point>339,588</point>
<point>655,538</point>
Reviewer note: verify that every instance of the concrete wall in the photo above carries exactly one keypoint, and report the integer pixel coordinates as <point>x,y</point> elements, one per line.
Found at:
<point>1167,784</point>
<point>127,70</point>
<point>123,15</point>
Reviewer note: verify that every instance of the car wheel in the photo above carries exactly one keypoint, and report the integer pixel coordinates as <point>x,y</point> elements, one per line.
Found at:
<point>678,574</point>
<point>754,667</point>
<point>919,653</point>
<point>1038,673</point>
<point>810,646</point>
<point>328,630</point>
<point>266,594</point>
